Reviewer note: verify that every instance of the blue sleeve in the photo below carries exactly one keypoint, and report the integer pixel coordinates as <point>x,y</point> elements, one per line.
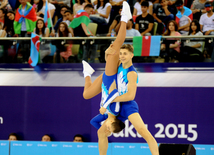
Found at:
<point>96,121</point>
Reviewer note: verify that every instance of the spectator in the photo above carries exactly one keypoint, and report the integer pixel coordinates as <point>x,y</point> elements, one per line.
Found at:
<point>137,8</point>
<point>9,47</point>
<point>183,17</point>
<point>3,12</point>
<point>63,17</point>
<point>13,136</point>
<point>58,4</point>
<point>206,20</point>
<point>207,27</point>
<point>43,32</point>
<point>193,47</point>
<point>8,26</point>
<point>198,8</point>
<point>46,138</point>
<point>63,30</point>
<point>41,8</point>
<point>23,26</point>
<point>79,5</point>
<point>114,23</point>
<point>2,31</point>
<point>69,17</point>
<point>5,5</point>
<point>80,27</point>
<point>63,48</point>
<point>80,30</point>
<point>24,9</point>
<point>170,49</point>
<point>162,15</point>
<point>144,22</point>
<point>102,9</point>
<point>130,32</point>
<point>78,138</point>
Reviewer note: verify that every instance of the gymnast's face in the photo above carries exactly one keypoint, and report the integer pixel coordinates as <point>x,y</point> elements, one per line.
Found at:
<point>125,56</point>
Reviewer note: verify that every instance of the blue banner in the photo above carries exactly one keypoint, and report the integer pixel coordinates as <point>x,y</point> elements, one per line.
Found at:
<point>70,148</point>
<point>4,147</point>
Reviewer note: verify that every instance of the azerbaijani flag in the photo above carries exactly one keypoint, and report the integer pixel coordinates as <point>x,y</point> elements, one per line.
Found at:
<point>187,13</point>
<point>81,17</point>
<point>34,52</point>
<point>29,17</point>
<point>47,18</point>
<point>146,45</point>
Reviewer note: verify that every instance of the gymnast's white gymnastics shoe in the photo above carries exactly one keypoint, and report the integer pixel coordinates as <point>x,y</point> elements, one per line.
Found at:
<point>87,69</point>
<point>126,10</point>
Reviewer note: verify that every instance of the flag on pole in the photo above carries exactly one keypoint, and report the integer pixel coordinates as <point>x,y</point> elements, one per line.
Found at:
<point>29,16</point>
<point>146,45</point>
<point>47,18</point>
<point>34,52</point>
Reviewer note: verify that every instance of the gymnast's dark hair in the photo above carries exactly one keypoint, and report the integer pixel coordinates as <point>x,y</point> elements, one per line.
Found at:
<point>118,126</point>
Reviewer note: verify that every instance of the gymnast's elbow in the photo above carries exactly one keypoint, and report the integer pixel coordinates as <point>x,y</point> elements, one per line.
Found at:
<point>126,98</point>
<point>131,97</point>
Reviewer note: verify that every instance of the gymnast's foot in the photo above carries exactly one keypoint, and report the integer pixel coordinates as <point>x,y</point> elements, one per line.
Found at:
<point>87,69</point>
<point>126,11</point>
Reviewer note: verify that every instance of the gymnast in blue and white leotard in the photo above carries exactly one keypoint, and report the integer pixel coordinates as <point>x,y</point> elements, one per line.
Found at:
<point>122,110</point>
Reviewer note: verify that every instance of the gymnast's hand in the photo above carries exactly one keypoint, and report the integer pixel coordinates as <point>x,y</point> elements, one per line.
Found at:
<point>109,51</point>
<point>102,110</point>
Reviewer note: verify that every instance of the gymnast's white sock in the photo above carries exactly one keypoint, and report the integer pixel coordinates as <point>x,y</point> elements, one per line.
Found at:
<point>86,74</point>
<point>87,69</point>
<point>126,13</point>
<point>124,18</point>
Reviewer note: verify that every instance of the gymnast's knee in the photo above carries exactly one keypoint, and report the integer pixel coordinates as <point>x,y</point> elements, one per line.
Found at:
<point>85,95</point>
<point>144,133</point>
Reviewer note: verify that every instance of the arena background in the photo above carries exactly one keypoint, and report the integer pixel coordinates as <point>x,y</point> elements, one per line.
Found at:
<point>175,101</point>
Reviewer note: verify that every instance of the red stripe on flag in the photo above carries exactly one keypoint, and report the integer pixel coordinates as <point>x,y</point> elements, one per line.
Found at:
<point>81,14</point>
<point>46,23</point>
<point>17,16</point>
<point>146,41</point>
<point>30,60</point>
<point>36,42</point>
<point>32,15</point>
